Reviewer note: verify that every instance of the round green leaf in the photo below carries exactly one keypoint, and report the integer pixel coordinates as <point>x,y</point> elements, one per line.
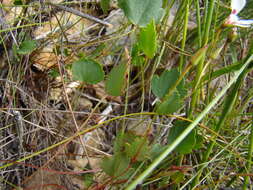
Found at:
<point>87,70</point>
<point>141,12</point>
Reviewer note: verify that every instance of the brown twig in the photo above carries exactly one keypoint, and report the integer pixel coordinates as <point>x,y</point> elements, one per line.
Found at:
<point>69,104</point>
<point>52,170</point>
<point>81,14</point>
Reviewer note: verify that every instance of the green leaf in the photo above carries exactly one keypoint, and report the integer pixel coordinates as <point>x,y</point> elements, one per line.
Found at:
<point>165,84</point>
<point>18,2</point>
<point>177,177</point>
<point>26,47</point>
<point>141,12</point>
<point>136,58</point>
<point>161,85</point>
<point>188,143</point>
<point>88,178</point>
<point>182,89</point>
<point>116,165</point>
<point>148,40</point>
<point>225,70</point>
<point>199,142</point>
<point>87,70</point>
<point>133,146</point>
<point>250,51</point>
<point>54,73</point>
<point>171,105</point>
<point>156,150</point>
<point>105,5</point>
<point>121,140</point>
<point>138,149</point>
<point>116,80</point>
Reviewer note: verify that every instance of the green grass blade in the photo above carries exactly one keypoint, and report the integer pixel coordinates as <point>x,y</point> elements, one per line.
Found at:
<point>156,162</point>
<point>248,165</point>
<point>228,106</point>
<point>182,58</point>
<point>208,21</point>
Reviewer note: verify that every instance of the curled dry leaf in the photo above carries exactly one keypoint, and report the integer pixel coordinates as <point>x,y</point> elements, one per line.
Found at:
<point>141,126</point>
<point>74,30</point>
<point>43,177</point>
<point>93,142</point>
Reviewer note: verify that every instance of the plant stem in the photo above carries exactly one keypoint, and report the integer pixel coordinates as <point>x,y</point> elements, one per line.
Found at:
<point>228,106</point>
<point>248,165</point>
<point>182,57</point>
<point>181,137</point>
<point>198,23</point>
<point>201,64</point>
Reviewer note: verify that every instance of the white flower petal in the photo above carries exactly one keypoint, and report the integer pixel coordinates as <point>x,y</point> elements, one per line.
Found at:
<point>244,23</point>
<point>233,18</point>
<point>237,5</point>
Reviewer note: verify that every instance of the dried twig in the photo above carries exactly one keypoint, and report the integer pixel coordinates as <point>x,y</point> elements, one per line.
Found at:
<point>81,14</point>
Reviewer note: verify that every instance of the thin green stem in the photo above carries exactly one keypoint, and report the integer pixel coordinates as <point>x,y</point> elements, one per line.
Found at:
<point>181,137</point>
<point>212,160</point>
<point>200,66</point>
<point>198,22</point>
<point>248,165</point>
<point>228,106</point>
<point>127,91</point>
<point>186,18</point>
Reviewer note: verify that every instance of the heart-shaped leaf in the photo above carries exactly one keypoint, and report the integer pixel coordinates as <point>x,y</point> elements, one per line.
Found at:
<point>141,12</point>
<point>116,80</point>
<point>87,70</point>
<point>171,95</point>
